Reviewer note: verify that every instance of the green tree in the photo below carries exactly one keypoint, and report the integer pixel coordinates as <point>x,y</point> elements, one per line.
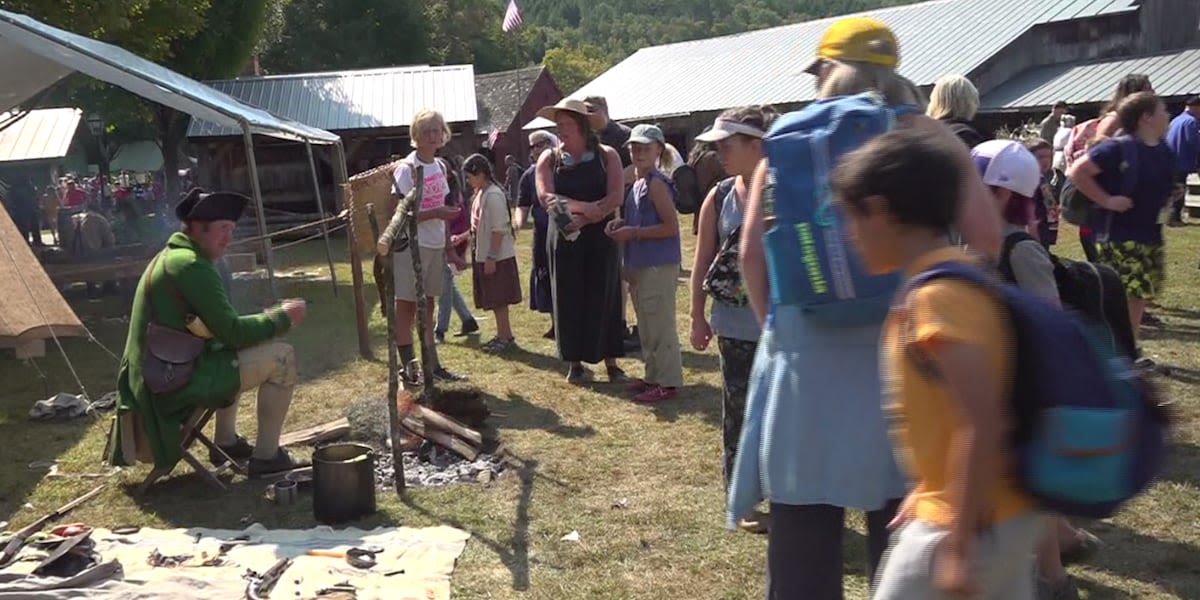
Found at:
<point>221,49</point>
<point>145,27</point>
<point>328,35</point>
<point>573,67</point>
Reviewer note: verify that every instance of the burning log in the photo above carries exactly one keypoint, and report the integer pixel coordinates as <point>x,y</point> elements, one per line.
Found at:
<point>431,425</point>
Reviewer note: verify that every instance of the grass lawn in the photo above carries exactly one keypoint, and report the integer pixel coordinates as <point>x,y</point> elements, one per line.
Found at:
<point>582,450</point>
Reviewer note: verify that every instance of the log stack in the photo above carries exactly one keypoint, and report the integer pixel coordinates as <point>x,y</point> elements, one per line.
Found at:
<point>438,428</point>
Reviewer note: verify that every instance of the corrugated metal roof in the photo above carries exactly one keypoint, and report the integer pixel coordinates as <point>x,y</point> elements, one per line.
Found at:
<point>1065,10</point>
<point>44,134</point>
<point>765,66</point>
<point>1173,74</point>
<point>349,100</point>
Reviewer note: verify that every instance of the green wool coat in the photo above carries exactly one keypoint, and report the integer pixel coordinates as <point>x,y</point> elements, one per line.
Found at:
<point>215,381</point>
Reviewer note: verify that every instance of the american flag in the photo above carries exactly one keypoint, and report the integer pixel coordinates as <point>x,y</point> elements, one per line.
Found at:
<point>492,137</point>
<point>512,17</point>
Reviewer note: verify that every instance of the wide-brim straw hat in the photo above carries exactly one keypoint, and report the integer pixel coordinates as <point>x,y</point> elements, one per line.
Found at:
<point>579,107</point>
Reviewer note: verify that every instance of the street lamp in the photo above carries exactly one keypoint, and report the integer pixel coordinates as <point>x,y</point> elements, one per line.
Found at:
<point>96,125</point>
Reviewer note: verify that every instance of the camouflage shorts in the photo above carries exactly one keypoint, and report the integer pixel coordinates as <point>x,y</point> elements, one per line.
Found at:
<point>1142,266</point>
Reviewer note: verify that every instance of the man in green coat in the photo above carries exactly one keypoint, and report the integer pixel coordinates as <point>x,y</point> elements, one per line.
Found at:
<point>181,290</point>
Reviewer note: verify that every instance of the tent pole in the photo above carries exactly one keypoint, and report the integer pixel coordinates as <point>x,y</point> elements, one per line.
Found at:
<point>312,164</point>
<point>356,270</point>
<point>256,188</point>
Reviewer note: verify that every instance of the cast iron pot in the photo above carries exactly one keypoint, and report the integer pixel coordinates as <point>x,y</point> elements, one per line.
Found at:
<point>343,482</point>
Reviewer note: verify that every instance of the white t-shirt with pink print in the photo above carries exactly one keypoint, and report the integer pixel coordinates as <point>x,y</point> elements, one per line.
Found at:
<point>431,233</point>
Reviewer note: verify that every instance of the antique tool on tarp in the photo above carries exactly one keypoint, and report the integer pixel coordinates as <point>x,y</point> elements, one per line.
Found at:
<point>260,586</point>
<point>360,557</point>
<point>79,546</point>
<point>9,553</point>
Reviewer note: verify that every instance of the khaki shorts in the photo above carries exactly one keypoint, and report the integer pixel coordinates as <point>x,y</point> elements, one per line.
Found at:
<point>433,269</point>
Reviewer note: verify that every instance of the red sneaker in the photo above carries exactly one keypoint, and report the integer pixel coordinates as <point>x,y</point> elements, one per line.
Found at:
<point>638,386</point>
<point>655,394</point>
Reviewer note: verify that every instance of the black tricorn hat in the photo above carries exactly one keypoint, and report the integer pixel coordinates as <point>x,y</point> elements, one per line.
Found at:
<point>198,205</point>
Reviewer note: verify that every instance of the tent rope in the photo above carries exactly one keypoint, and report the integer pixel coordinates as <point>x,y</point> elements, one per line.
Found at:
<point>45,320</point>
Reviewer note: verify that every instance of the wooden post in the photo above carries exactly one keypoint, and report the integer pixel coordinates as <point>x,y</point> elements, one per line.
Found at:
<point>389,295</point>
<point>356,272</point>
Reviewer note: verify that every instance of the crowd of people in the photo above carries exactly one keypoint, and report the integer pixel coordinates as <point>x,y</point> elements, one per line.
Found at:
<point>893,405</point>
<point>85,214</point>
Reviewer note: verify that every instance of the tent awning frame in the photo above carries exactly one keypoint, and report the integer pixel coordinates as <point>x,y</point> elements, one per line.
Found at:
<point>40,55</point>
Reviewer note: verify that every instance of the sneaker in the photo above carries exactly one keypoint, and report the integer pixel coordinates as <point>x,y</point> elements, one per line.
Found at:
<point>638,386</point>
<point>655,394</point>
<point>1063,589</point>
<point>468,327</point>
<point>239,450</point>
<point>616,375</point>
<point>259,467</point>
<point>1149,318</point>
<point>1145,364</point>
<point>441,374</point>
<point>440,337</point>
<point>578,375</point>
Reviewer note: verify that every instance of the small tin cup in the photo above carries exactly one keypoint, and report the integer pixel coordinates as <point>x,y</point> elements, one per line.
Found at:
<point>285,492</point>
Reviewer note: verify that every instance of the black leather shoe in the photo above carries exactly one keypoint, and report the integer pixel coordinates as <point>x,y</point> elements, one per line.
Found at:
<point>239,450</point>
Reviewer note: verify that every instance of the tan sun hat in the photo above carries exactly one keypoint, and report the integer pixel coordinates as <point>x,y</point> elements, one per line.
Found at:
<point>578,107</point>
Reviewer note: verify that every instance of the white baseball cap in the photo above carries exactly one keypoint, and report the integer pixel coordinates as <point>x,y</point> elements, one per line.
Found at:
<point>1009,165</point>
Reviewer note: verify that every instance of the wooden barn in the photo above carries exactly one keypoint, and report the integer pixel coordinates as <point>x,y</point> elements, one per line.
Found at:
<point>506,101</point>
<point>370,109</point>
<point>1023,57</point>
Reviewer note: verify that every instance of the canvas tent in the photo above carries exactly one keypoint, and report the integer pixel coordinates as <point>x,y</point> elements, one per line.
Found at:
<point>31,309</point>
<point>34,56</point>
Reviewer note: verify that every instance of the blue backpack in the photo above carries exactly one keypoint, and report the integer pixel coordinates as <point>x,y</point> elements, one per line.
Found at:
<point>1089,433</point>
<point>809,260</point>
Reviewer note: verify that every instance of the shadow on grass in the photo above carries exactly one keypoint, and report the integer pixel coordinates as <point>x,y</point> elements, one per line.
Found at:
<point>696,361</point>
<point>517,412</point>
<point>1181,313</point>
<point>1183,465</point>
<point>1180,374</point>
<point>1172,332</point>
<point>25,382</point>
<point>514,556</point>
<point>1150,560</point>
<point>26,443</point>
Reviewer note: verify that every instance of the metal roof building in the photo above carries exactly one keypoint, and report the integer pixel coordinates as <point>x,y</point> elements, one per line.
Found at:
<point>353,100</point>
<point>1174,74</point>
<point>765,66</point>
<point>44,134</point>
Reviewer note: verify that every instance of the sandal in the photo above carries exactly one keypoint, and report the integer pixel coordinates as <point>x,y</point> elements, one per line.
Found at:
<point>497,345</point>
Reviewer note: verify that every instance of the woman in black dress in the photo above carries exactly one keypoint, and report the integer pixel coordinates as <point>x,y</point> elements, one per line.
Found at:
<point>580,183</point>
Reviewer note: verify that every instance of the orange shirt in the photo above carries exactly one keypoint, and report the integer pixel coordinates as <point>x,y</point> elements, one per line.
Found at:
<point>921,406</point>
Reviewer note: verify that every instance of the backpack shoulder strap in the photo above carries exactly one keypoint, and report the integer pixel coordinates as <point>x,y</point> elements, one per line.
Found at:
<point>1010,243</point>
<point>724,187</point>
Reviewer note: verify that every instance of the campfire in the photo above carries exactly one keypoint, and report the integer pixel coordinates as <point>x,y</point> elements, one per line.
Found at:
<point>450,442</point>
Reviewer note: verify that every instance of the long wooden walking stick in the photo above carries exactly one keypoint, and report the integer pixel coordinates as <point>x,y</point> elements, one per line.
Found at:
<point>385,249</point>
<point>427,366</point>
